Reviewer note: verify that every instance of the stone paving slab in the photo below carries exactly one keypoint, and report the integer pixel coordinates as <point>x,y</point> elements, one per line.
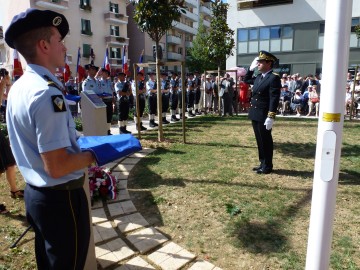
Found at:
<point>117,247</point>
<point>103,231</point>
<point>171,257</point>
<point>120,175</point>
<point>203,265</point>
<point>122,184</point>
<point>130,222</point>
<point>98,215</point>
<point>119,208</point>
<point>107,260</point>
<point>123,167</point>
<point>131,161</point>
<point>136,263</point>
<point>146,239</point>
<point>97,204</point>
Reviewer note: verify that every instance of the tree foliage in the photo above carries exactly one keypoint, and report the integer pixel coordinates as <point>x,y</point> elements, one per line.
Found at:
<point>221,41</point>
<point>198,58</point>
<point>155,17</point>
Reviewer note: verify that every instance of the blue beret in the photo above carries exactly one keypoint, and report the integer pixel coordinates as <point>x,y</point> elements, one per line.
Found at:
<point>88,66</point>
<point>32,19</point>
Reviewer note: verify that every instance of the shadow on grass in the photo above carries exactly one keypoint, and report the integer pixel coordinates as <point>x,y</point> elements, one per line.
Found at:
<point>298,150</point>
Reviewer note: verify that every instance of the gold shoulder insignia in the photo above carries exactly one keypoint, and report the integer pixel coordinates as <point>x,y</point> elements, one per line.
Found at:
<point>277,74</point>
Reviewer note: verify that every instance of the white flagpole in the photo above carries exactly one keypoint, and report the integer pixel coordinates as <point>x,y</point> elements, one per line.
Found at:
<point>329,137</point>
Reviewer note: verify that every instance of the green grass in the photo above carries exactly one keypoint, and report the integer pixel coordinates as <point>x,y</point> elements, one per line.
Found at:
<point>210,177</point>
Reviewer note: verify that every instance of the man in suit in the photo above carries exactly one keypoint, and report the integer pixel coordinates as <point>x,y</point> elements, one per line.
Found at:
<point>264,103</point>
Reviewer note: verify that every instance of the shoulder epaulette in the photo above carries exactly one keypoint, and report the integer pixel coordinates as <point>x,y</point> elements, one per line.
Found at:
<point>51,82</point>
<point>276,74</point>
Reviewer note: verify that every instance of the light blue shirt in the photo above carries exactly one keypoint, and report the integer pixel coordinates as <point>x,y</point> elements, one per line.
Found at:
<point>35,126</point>
<point>106,87</point>
<point>90,84</point>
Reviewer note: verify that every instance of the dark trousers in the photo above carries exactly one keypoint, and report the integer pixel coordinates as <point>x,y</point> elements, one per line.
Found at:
<point>165,102</point>
<point>264,143</point>
<point>197,96</point>
<point>190,99</point>
<point>141,105</point>
<point>123,108</point>
<point>109,109</point>
<point>174,100</point>
<point>60,219</point>
<point>227,104</point>
<point>179,93</point>
<point>152,104</point>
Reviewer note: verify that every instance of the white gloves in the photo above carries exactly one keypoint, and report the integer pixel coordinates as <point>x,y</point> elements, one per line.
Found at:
<point>269,123</point>
<point>254,64</point>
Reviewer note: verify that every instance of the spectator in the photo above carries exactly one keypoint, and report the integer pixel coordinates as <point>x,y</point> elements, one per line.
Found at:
<point>297,102</point>
<point>285,99</point>
<point>313,101</point>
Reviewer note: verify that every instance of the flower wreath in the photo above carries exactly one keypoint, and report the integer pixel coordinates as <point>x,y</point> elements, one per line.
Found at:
<point>102,184</point>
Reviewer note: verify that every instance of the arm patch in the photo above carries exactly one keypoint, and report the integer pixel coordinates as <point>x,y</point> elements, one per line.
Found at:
<point>59,103</point>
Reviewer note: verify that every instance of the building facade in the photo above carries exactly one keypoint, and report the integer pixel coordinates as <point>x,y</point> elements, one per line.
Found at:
<point>293,30</point>
<point>94,26</point>
<point>177,40</point>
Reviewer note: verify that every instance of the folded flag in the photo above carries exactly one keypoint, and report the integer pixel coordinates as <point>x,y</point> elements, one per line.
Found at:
<point>109,148</point>
<point>73,97</point>
<point>103,94</point>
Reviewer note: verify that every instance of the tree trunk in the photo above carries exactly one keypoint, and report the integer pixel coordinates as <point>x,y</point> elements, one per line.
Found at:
<point>159,95</point>
<point>219,88</point>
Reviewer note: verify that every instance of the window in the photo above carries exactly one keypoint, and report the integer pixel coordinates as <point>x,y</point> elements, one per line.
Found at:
<point>275,32</point>
<point>85,4</point>
<point>114,7</point>
<point>264,33</point>
<point>253,34</point>
<point>242,35</point>
<point>114,30</point>
<point>261,3</point>
<point>354,22</point>
<point>86,50</point>
<point>115,53</point>
<point>180,50</point>
<point>86,27</point>
<point>287,32</point>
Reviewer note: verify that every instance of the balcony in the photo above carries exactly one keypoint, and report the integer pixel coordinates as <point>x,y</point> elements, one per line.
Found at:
<point>173,40</point>
<point>116,18</point>
<point>184,27</point>
<point>191,3</point>
<point>115,62</point>
<point>116,41</point>
<point>188,44</point>
<point>174,56</point>
<point>86,32</point>
<point>205,10</point>
<point>206,23</point>
<point>59,5</point>
<point>191,16</point>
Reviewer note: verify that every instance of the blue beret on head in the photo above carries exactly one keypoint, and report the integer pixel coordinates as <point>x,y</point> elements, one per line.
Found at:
<point>32,19</point>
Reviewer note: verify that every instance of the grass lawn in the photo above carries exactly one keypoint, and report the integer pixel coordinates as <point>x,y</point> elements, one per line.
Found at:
<point>205,196</point>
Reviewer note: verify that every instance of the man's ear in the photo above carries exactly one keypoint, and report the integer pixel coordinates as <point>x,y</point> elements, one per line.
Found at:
<point>43,46</point>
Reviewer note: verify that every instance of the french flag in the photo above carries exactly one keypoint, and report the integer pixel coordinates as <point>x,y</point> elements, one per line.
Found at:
<point>66,69</point>
<point>18,71</point>
<point>124,62</point>
<point>141,60</point>
<point>106,63</point>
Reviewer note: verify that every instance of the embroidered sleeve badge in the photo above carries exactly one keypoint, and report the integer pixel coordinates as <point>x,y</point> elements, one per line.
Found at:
<point>58,103</point>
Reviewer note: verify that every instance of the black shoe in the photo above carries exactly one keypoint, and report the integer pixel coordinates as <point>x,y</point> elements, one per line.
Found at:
<point>264,171</point>
<point>197,112</point>
<point>109,132</point>
<point>153,124</point>
<point>142,128</point>
<point>257,168</point>
<point>165,122</point>
<point>173,119</point>
<point>190,114</point>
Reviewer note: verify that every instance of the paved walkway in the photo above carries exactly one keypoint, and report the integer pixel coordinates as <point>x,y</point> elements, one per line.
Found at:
<point>124,240</point>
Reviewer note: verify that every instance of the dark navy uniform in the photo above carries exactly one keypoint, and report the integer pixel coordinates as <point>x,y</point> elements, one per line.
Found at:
<point>264,103</point>
<point>190,94</point>
<point>151,89</point>
<point>122,88</point>
<point>141,97</point>
<point>107,89</point>
<point>165,89</point>
<point>197,85</point>
<point>174,97</point>
<point>56,207</point>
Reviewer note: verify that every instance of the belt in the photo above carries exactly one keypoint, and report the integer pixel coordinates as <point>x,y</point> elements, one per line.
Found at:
<point>72,184</point>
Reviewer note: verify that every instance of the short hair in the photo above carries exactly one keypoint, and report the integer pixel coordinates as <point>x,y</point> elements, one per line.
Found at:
<point>26,43</point>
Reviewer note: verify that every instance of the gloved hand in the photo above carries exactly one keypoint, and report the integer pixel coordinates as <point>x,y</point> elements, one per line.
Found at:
<point>254,64</point>
<point>269,123</point>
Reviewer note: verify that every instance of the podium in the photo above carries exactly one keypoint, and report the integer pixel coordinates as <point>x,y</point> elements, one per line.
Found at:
<point>93,114</point>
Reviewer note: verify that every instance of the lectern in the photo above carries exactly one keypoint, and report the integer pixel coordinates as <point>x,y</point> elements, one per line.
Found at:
<point>93,114</point>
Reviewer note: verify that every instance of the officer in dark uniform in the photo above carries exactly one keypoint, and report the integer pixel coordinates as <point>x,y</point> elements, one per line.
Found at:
<point>264,103</point>
<point>44,143</point>
<point>165,91</point>
<point>174,97</point>
<point>122,88</point>
<point>197,85</point>
<point>151,90</point>
<point>141,97</point>
<point>190,94</point>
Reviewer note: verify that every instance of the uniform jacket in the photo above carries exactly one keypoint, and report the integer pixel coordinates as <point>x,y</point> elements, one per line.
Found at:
<point>265,95</point>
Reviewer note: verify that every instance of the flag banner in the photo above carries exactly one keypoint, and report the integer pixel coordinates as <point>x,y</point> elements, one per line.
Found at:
<point>92,56</point>
<point>124,62</point>
<point>67,71</point>
<point>78,61</point>
<point>141,60</point>
<point>18,71</point>
<point>106,63</point>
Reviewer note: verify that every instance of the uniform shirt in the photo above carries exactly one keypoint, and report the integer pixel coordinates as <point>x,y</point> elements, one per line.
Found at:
<point>90,84</point>
<point>150,85</point>
<point>141,86</point>
<point>174,85</point>
<point>164,84</point>
<point>190,85</point>
<point>38,127</point>
<point>106,86</point>
<point>121,87</point>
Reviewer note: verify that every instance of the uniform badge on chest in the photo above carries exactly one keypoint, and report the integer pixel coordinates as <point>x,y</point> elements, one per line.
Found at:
<point>58,103</point>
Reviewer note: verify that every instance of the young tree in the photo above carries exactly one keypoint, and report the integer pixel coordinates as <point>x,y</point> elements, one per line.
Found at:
<point>155,17</point>
<point>221,41</point>
<point>198,58</point>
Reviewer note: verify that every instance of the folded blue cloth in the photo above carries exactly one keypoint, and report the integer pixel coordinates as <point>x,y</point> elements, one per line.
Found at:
<point>109,148</point>
<point>73,97</point>
<point>103,94</point>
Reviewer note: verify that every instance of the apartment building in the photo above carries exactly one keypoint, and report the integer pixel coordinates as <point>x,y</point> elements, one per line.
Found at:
<point>94,26</point>
<point>293,30</point>
<point>177,40</point>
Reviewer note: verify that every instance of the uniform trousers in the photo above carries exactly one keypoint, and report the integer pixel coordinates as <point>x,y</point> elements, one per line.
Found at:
<point>123,108</point>
<point>264,143</point>
<point>60,219</point>
<point>109,109</point>
<point>179,93</point>
<point>152,104</point>
<point>197,96</point>
<point>165,102</point>
<point>141,105</point>
<point>174,100</point>
<point>190,98</point>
